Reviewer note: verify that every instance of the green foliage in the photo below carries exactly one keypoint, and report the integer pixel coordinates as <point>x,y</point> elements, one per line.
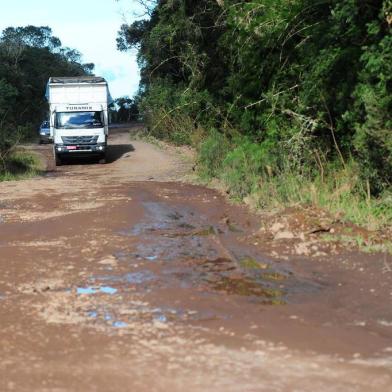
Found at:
<point>174,114</point>
<point>373,138</point>
<point>341,191</point>
<point>243,168</point>
<point>307,84</point>
<point>124,110</point>
<point>212,152</point>
<point>28,57</point>
<point>19,164</point>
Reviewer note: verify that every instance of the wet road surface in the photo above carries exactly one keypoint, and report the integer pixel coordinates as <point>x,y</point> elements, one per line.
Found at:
<point>119,277</point>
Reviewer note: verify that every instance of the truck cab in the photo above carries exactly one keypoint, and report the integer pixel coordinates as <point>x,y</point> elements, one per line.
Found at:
<point>78,117</point>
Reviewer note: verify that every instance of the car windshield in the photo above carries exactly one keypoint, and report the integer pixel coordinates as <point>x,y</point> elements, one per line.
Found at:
<point>45,124</point>
<point>77,120</point>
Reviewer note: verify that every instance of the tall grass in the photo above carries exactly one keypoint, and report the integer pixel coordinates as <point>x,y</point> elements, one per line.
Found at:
<point>246,170</point>
<point>174,127</point>
<point>276,175</point>
<point>19,165</point>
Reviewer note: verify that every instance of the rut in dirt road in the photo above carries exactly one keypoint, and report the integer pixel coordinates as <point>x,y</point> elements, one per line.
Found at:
<point>119,277</point>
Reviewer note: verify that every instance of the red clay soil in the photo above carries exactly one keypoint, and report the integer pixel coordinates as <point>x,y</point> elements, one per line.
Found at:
<point>120,277</point>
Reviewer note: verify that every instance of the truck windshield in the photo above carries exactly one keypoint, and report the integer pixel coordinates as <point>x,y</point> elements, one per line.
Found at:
<point>77,120</point>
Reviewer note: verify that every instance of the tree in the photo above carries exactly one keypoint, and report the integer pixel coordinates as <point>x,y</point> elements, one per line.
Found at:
<point>28,57</point>
<point>124,110</point>
<point>301,79</point>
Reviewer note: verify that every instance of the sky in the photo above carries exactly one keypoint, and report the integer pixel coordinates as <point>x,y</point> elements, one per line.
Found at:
<point>89,26</point>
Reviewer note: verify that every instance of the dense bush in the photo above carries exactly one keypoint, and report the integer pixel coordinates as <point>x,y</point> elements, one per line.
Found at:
<point>124,110</point>
<point>307,84</point>
<point>28,57</point>
<point>212,153</point>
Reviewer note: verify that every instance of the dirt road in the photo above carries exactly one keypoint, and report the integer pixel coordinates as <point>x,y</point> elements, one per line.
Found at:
<point>120,277</point>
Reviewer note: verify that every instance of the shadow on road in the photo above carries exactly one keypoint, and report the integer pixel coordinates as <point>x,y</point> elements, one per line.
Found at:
<point>116,151</point>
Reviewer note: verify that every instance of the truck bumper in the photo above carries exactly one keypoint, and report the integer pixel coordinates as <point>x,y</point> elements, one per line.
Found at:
<point>81,149</point>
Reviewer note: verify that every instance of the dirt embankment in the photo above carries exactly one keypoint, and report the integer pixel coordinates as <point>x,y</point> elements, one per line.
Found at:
<point>122,277</point>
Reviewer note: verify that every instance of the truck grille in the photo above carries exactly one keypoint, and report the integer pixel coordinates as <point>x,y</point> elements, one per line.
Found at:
<point>77,140</point>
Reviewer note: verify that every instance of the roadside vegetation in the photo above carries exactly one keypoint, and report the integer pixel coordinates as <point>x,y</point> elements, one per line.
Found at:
<point>28,57</point>
<point>287,102</point>
<point>20,165</point>
<point>124,110</point>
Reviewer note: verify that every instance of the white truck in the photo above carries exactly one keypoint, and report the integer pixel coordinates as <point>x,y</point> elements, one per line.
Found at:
<point>79,121</point>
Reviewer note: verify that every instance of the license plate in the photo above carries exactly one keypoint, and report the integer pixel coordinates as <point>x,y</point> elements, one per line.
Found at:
<point>71,147</point>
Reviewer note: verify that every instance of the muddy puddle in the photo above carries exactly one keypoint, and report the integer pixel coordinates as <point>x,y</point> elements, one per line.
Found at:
<point>95,290</point>
<point>190,252</point>
<point>139,277</point>
<point>178,266</point>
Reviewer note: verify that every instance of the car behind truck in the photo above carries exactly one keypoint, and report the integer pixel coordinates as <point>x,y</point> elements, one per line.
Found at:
<point>79,122</point>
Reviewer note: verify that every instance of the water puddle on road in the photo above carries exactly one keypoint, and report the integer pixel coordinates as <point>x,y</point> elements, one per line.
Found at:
<point>161,217</point>
<point>120,324</point>
<point>249,288</point>
<point>151,258</point>
<point>94,290</point>
<point>138,277</point>
<point>193,253</point>
<point>179,267</point>
<point>167,248</point>
<point>161,318</point>
<point>227,276</point>
<point>106,318</point>
<point>123,317</point>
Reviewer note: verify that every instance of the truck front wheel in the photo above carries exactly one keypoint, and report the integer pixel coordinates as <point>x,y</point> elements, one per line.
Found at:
<point>102,159</point>
<point>57,160</point>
